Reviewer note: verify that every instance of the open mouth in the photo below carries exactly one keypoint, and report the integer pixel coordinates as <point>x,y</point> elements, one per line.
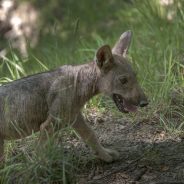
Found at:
<point>123,105</point>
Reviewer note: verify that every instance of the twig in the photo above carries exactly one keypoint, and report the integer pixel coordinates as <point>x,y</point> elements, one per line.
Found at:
<point>140,174</point>
<point>122,168</point>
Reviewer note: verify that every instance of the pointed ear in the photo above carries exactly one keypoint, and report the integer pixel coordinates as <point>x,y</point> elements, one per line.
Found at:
<point>104,58</point>
<point>122,45</point>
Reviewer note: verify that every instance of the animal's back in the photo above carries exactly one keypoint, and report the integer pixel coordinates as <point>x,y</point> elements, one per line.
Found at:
<point>23,104</point>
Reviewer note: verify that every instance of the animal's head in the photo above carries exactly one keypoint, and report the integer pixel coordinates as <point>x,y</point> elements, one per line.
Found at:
<point>117,78</point>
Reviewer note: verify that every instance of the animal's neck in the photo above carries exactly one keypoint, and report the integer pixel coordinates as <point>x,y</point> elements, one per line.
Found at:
<point>87,81</point>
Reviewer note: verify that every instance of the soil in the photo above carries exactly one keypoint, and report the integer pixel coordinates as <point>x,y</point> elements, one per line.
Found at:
<point>148,154</point>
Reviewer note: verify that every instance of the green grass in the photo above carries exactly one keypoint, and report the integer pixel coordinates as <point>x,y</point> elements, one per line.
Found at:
<point>46,165</point>
<point>156,54</point>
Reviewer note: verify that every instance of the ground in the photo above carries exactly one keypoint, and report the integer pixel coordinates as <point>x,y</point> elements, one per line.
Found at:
<point>148,153</point>
<point>150,144</point>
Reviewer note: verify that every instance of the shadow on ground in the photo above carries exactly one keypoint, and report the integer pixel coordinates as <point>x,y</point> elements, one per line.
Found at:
<point>148,155</point>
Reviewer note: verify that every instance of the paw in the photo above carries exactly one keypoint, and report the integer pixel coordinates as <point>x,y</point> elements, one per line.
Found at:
<point>108,155</point>
<point>113,153</point>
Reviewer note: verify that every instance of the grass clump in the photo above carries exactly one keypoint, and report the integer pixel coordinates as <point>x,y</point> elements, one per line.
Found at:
<point>27,163</point>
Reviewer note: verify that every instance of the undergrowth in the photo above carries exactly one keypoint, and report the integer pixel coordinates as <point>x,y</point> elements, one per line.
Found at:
<point>156,54</point>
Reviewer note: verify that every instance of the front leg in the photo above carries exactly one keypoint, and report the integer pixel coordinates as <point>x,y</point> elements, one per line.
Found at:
<point>90,138</point>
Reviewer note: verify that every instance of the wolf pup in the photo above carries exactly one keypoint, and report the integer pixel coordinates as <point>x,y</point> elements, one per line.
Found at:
<point>42,101</point>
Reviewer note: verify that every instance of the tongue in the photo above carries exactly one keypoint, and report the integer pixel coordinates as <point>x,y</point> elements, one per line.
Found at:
<point>129,107</point>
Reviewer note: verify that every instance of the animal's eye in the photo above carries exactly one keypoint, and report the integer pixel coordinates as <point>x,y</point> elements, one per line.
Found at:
<point>123,80</point>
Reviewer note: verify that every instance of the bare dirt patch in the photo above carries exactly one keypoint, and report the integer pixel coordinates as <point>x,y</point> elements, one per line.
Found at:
<point>148,154</point>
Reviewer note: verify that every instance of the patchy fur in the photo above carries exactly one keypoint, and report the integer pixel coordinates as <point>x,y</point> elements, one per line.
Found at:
<point>46,100</point>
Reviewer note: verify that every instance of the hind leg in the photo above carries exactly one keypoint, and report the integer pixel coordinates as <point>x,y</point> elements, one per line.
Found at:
<point>46,130</point>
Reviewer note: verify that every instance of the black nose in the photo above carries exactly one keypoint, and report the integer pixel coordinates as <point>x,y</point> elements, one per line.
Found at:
<point>143,103</point>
